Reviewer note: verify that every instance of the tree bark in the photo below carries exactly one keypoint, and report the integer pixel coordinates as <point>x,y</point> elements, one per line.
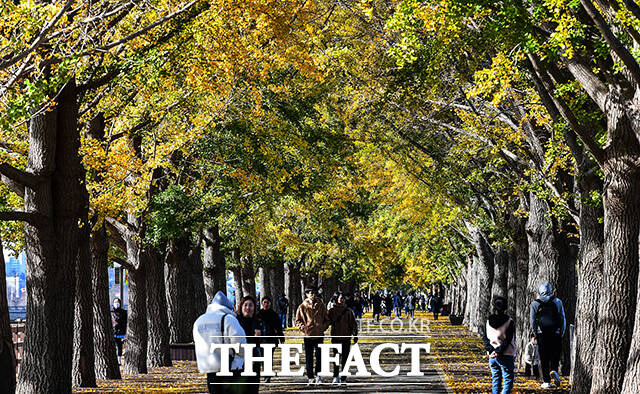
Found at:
<point>83,374</point>
<point>199,295</point>
<point>589,284</point>
<point>501,273</point>
<point>178,280</point>
<point>248,276</point>
<point>521,300</point>
<point>276,278</point>
<point>471,301</point>
<point>292,283</point>
<point>237,281</point>
<point>106,359</point>
<point>51,246</point>
<point>7,355</point>
<point>135,357</point>
<point>621,200</point>
<point>158,354</point>
<point>483,277</point>
<point>215,276</point>
<point>263,278</point>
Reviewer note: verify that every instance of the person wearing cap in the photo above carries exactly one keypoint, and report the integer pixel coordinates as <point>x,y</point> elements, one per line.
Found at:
<point>500,343</point>
<point>219,325</point>
<point>312,320</point>
<point>548,324</point>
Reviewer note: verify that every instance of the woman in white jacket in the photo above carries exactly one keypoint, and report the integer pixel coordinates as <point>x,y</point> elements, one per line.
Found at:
<point>219,325</point>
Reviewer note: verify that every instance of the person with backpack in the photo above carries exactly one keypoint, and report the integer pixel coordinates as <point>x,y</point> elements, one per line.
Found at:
<point>548,324</point>
<point>500,343</point>
<point>219,325</point>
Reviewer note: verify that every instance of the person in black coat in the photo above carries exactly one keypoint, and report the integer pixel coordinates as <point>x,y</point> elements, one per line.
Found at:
<point>253,328</point>
<point>119,325</point>
<point>272,326</point>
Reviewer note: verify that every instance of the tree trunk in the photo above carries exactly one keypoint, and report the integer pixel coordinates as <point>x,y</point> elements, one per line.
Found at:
<point>292,283</point>
<point>7,356</point>
<point>158,323</point>
<point>179,302</point>
<point>521,300</point>
<point>199,295</point>
<point>237,282</point>
<point>501,273</point>
<point>135,356</point>
<point>248,276</point>
<point>512,283</point>
<point>215,276</point>
<point>483,277</point>
<point>543,254</point>
<point>589,285</point>
<point>471,299</point>
<point>276,279</point>
<point>83,374</point>
<point>51,246</point>
<point>265,283</point>
<point>106,359</point>
<point>617,303</point>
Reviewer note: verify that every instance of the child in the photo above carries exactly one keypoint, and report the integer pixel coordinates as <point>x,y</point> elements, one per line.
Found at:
<point>531,358</point>
<point>500,344</point>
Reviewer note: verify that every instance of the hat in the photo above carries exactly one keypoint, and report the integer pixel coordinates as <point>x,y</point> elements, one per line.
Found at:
<point>500,304</point>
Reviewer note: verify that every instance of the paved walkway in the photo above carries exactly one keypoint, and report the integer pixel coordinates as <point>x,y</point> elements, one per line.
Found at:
<point>183,377</point>
<point>457,363</point>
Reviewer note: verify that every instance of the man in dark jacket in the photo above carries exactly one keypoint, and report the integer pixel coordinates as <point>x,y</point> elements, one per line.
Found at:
<point>119,325</point>
<point>272,326</point>
<point>548,324</point>
<point>376,302</point>
<point>343,325</point>
<point>283,306</point>
<point>435,305</point>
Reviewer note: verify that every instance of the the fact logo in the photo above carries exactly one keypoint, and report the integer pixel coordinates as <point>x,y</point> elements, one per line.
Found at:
<point>291,358</point>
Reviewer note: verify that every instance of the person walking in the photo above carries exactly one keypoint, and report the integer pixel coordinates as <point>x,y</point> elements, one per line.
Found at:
<point>119,326</point>
<point>343,327</point>
<point>283,306</point>
<point>253,328</point>
<point>410,305</point>
<point>272,328</point>
<point>388,304</point>
<point>435,305</point>
<point>500,344</point>
<point>219,325</point>
<point>531,358</point>
<point>376,302</point>
<point>312,320</point>
<point>548,324</point>
<point>397,305</point>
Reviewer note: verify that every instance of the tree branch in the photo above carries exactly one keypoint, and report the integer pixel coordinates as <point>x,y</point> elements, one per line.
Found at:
<point>21,177</point>
<point>123,263</point>
<point>32,218</point>
<point>141,31</point>
<point>613,41</point>
<point>594,87</point>
<point>40,39</point>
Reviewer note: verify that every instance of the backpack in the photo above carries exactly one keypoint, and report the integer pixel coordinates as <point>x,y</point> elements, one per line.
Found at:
<point>547,316</point>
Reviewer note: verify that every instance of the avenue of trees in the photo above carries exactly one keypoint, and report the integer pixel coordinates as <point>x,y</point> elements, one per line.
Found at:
<point>486,146</point>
